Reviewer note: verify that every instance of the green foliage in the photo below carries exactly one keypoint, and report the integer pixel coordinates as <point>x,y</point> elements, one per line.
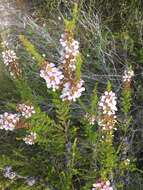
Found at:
<point>108,86</point>
<point>126,100</point>
<point>70,24</point>
<point>78,66</point>
<point>31,49</point>
<point>94,100</point>
<point>107,157</point>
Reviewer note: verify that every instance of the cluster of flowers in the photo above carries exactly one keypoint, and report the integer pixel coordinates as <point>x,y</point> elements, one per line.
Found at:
<point>101,185</point>
<point>26,110</point>
<point>72,87</point>
<point>107,107</point>
<point>30,138</point>
<point>8,121</point>
<point>51,75</point>
<point>10,174</point>
<point>72,91</point>
<point>8,57</point>
<point>63,78</point>
<point>128,74</point>
<point>70,50</point>
<point>10,60</point>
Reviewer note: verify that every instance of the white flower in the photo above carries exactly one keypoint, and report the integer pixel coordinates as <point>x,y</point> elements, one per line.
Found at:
<point>107,108</point>
<point>9,56</point>
<point>30,138</point>
<point>102,185</point>
<point>72,92</point>
<point>8,173</point>
<point>8,121</point>
<point>26,110</point>
<point>108,103</point>
<point>128,74</point>
<point>52,75</point>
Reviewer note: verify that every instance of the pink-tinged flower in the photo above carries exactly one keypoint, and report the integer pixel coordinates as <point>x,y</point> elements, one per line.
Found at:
<point>26,110</point>
<point>71,91</point>
<point>52,75</point>
<point>8,121</point>
<point>102,185</point>
<point>70,50</point>
<point>30,138</point>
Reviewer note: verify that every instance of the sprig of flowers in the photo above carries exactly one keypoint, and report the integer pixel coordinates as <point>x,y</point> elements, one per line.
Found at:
<point>52,75</point>
<point>72,91</point>
<point>26,110</point>
<point>30,138</point>
<point>10,60</point>
<point>72,87</point>
<point>8,57</point>
<point>107,109</point>
<point>127,76</point>
<point>8,121</point>
<point>70,50</point>
<point>102,185</point>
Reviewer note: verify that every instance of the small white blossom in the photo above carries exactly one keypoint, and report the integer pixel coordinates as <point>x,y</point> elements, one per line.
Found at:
<point>8,173</point>
<point>127,161</point>
<point>52,75</point>
<point>26,110</point>
<point>9,56</point>
<point>59,18</point>
<point>128,74</point>
<point>72,92</point>
<point>101,185</point>
<point>8,121</point>
<point>30,138</point>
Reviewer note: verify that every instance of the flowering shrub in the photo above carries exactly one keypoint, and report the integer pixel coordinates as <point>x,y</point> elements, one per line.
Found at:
<point>75,126</point>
